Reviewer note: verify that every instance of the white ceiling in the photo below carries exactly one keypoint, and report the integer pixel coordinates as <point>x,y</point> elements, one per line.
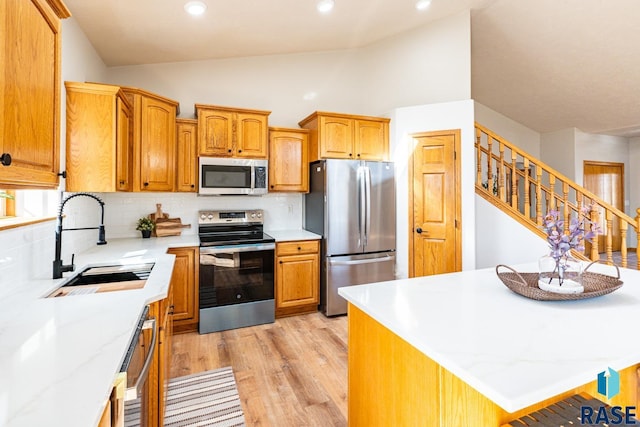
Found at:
<point>547,64</point>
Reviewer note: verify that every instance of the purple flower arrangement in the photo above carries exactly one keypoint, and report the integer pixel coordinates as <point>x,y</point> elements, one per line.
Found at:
<point>562,239</point>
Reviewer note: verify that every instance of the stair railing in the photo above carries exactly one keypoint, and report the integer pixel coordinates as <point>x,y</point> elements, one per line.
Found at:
<point>526,189</point>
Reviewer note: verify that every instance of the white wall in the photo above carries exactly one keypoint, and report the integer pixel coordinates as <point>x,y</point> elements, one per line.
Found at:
<point>502,240</point>
<point>444,116</point>
<point>557,149</point>
<point>428,65</point>
<point>521,136</point>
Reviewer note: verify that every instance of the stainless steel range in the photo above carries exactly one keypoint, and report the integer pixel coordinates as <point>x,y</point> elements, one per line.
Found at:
<point>236,270</point>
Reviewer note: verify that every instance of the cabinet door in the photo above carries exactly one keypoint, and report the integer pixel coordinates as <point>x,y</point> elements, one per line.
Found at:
<point>30,93</point>
<point>297,281</point>
<point>288,161</point>
<point>185,291</point>
<point>336,138</point>
<point>164,349</point>
<point>157,145</point>
<point>371,140</point>
<point>251,135</point>
<point>215,130</point>
<point>187,166</point>
<point>124,146</point>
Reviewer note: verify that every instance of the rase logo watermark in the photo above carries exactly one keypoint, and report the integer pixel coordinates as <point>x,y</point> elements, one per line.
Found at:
<point>608,386</point>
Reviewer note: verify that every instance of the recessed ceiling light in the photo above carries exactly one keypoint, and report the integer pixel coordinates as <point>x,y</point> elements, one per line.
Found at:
<point>195,8</point>
<point>423,4</point>
<point>325,6</point>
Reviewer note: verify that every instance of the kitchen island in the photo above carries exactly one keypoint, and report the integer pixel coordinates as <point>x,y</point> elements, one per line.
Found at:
<point>60,356</point>
<point>461,349</point>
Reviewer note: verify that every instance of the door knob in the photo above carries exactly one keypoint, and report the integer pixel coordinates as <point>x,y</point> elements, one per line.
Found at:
<point>419,230</point>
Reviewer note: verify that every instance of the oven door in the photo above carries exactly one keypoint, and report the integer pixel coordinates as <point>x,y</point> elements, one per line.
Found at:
<point>235,274</point>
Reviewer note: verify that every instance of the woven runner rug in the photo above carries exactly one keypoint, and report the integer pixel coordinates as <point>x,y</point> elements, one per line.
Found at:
<point>204,399</point>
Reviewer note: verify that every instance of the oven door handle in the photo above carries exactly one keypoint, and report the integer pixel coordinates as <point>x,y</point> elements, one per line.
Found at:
<point>232,249</point>
<point>134,392</point>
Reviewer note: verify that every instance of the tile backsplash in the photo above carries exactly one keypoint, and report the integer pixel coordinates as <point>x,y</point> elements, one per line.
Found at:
<point>27,252</point>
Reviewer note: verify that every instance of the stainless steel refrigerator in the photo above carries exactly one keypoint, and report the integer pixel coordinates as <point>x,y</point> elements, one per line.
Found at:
<point>351,203</point>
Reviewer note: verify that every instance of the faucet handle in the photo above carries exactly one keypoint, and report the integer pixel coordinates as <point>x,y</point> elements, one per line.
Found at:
<point>72,267</point>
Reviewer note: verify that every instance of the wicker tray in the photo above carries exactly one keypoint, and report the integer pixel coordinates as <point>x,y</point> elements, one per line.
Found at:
<point>526,284</point>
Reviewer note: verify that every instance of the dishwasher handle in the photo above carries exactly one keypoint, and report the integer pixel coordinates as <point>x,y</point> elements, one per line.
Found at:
<point>134,392</point>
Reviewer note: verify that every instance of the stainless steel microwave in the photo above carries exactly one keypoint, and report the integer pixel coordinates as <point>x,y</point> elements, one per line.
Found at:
<point>221,176</point>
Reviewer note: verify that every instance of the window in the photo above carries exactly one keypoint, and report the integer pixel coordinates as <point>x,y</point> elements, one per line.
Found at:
<point>21,207</point>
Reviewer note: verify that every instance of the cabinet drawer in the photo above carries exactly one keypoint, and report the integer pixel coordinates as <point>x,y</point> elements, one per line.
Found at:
<point>293,248</point>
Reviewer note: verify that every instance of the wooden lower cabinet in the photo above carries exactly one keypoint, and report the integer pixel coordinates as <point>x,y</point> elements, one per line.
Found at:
<point>159,372</point>
<point>297,277</point>
<point>185,289</point>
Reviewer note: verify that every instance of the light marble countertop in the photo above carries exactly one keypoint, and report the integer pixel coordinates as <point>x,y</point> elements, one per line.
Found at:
<point>59,356</point>
<point>292,235</point>
<point>514,350</point>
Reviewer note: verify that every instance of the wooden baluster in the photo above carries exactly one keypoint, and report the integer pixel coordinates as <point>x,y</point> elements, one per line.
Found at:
<point>514,181</point>
<point>637,227</point>
<point>539,195</point>
<point>623,242</point>
<point>489,157</point>
<point>478,158</point>
<point>594,244</point>
<point>565,201</point>
<point>501,177</point>
<point>609,237</point>
<point>527,196</point>
<point>551,204</point>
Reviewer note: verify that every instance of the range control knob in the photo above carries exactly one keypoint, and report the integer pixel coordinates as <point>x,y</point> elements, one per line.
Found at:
<point>210,217</point>
<point>203,216</point>
<point>259,214</point>
<point>253,215</point>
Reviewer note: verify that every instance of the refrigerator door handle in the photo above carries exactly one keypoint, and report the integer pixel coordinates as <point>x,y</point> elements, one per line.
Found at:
<point>367,196</point>
<point>361,261</point>
<point>362,206</point>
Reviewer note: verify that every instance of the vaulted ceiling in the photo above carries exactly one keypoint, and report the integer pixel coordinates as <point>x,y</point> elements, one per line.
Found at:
<point>547,64</point>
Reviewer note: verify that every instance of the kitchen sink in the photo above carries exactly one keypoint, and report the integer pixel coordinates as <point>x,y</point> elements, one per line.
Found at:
<point>108,278</point>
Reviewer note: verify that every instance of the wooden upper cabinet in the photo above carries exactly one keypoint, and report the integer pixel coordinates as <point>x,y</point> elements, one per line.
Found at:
<point>154,140</point>
<point>30,92</point>
<point>99,147</point>
<point>346,136</point>
<point>232,132</point>
<point>336,135</point>
<point>371,139</point>
<point>288,160</point>
<point>187,155</point>
<point>215,133</point>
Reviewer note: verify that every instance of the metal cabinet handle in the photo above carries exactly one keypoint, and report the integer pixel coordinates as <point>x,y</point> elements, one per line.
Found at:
<point>5,159</point>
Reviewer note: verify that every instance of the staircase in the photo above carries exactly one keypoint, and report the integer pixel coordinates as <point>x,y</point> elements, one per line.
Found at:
<point>526,189</point>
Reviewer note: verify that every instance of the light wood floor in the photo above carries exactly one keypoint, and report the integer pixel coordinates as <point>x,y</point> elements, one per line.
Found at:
<point>289,373</point>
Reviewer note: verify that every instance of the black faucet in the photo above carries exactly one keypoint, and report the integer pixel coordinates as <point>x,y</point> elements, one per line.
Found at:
<point>58,266</point>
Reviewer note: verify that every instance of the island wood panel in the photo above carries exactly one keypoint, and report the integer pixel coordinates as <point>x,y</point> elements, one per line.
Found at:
<point>392,383</point>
